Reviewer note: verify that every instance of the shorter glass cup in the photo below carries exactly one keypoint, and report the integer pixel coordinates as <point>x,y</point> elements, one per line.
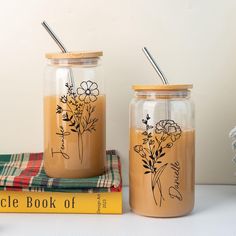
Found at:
<point>162,151</point>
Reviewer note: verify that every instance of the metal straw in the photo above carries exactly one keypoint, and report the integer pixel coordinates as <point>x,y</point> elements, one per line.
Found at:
<point>155,66</point>
<point>60,45</point>
<point>160,73</point>
<point>54,37</point>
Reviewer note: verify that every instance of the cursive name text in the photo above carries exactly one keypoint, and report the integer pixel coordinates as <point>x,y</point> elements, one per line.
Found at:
<point>62,135</point>
<point>174,190</point>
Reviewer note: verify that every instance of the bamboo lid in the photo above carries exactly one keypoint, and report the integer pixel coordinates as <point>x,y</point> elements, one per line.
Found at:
<point>74,55</point>
<point>164,87</point>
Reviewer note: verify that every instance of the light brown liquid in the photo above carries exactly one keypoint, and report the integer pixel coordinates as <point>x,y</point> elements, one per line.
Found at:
<point>177,179</point>
<point>68,154</point>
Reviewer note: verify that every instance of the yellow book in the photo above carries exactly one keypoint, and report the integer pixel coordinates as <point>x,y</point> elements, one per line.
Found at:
<point>25,187</point>
<point>60,202</point>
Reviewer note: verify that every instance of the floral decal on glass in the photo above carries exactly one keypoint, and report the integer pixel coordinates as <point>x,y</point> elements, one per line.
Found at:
<point>77,108</point>
<point>88,92</point>
<point>156,139</point>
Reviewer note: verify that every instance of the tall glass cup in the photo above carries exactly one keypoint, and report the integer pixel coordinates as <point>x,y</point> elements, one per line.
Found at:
<point>74,115</point>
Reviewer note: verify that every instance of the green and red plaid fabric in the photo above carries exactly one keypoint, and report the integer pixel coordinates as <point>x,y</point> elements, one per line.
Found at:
<point>25,172</point>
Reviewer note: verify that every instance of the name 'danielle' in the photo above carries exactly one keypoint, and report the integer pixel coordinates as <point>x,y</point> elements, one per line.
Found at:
<point>61,152</point>
<point>174,191</point>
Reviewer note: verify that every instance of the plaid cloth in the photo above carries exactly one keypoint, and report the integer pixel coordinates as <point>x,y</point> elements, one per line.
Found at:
<point>24,172</point>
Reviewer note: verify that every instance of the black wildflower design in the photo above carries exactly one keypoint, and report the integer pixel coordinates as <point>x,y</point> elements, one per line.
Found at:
<point>63,99</point>
<point>152,150</point>
<point>88,91</point>
<point>59,109</point>
<point>169,128</point>
<point>76,109</point>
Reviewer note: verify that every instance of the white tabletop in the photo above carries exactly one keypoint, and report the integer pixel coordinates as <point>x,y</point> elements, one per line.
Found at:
<point>214,214</point>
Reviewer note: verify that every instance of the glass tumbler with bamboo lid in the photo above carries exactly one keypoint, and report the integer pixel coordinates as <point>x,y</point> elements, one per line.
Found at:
<point>74,115</point>
<point>162,150</point>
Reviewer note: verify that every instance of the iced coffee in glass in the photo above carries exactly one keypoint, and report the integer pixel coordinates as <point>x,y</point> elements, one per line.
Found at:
<point>162,151</point>
<point>74,115</point>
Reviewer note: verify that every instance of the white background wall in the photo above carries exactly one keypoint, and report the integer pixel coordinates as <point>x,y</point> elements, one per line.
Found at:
<point>194,41</point>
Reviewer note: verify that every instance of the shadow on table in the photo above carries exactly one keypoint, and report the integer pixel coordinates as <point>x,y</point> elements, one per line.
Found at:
<point>126,207</point>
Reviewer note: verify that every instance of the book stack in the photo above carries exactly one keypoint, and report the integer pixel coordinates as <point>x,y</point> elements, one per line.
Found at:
<point>25,187</point>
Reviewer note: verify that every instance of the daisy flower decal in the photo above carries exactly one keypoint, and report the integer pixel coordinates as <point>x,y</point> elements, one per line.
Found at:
<point>88,91</point>
<point>77,109</point>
